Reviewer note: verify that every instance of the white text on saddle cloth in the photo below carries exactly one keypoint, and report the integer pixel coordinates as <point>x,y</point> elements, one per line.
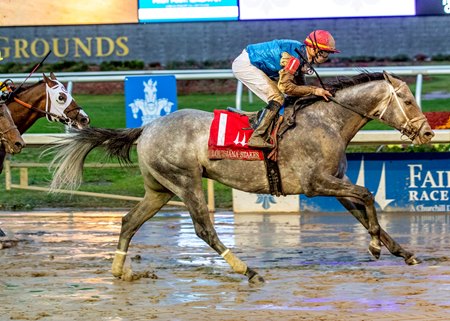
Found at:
<point>230,129</point>
<point>54,104</point>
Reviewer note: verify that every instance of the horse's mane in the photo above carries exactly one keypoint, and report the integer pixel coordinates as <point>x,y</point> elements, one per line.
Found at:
<point>339,83</point>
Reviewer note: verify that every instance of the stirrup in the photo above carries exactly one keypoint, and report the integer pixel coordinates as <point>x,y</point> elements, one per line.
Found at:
<point>261,144</point>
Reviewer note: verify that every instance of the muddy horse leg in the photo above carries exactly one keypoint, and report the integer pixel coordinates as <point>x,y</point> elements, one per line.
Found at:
<point>2,159</point>
<point>194,199</point>
<point>358,211</point>
<point>142,212</point>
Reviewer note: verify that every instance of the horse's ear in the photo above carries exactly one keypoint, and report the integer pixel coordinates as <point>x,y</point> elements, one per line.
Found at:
<point>47,80</point>
<point>388,77</point>
<point>52,75</point>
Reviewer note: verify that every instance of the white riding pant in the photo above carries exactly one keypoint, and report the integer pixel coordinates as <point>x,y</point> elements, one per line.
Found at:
<point>255,79</point>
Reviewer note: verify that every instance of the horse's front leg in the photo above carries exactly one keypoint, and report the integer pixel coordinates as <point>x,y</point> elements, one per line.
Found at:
<point>358,211</point>
<point>332,186</point>
<point>374,228</point>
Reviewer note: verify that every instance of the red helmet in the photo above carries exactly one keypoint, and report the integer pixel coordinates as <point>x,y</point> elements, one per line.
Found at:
<point>322,40</point>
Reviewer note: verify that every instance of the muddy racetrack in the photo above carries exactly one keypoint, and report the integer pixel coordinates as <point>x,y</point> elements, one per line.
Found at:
<point>316,267</point>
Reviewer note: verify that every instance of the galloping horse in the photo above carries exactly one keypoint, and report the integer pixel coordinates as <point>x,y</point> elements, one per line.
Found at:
<point>173,158</point>
<point>49,98</point>
<point>10,138</point>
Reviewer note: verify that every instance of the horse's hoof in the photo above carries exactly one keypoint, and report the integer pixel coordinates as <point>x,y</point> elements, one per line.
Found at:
<point>117,273</point>
<point>128,275</point>
<point>375,251</point>
<point>413,260</point>
<point>256,280</point>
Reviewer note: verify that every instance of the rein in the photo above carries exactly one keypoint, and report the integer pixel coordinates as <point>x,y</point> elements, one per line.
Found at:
<point>406,127</point>
<point>3,133</point>
<point>49,115</point>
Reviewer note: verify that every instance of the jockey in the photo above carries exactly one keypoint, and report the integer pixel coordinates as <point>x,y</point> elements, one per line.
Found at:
<point>274,69</point>
<point>4,93</point>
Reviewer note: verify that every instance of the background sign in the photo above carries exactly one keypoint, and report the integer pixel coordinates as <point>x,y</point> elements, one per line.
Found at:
<point>80,12</point>
<point>187,10</point>
<point>88,12</point>
<point>148,98</point>
<point>295,9</point>
<point>244,202</point>
<point>417,182</point>
<point>432,7</point>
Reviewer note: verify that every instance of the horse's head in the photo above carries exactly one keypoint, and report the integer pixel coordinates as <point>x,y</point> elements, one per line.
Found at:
<point>399,109</point>
<point>61,106</point>
<point>10,137</point>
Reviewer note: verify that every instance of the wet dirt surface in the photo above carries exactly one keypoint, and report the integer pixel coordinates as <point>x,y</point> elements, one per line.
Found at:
<point>316,267</point>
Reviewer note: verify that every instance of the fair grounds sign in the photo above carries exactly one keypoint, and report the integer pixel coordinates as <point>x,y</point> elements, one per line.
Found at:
<point>411,182</point>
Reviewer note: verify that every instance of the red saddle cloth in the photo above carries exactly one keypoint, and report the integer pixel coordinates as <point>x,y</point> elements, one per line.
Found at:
<point>228,137</point>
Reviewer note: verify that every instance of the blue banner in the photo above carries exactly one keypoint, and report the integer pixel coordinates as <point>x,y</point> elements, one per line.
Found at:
<point>148,98</point>
<point>417,182</point>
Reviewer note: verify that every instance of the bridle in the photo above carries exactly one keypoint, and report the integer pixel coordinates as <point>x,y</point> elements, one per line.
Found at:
<point>407,128</point>
<point>48,109</point>
<point>51,116</point>
<point>3,139</point>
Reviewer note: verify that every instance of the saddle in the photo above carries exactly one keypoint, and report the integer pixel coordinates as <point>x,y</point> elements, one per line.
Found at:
<point>282,123</point>
<point>279,126</point>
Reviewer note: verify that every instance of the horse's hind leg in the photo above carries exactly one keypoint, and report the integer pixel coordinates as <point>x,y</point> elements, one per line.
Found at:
<point>143,211</point>
<point>359,212</point>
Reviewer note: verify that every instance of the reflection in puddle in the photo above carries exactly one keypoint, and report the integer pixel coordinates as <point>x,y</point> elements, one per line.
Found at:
<point>311,262</point>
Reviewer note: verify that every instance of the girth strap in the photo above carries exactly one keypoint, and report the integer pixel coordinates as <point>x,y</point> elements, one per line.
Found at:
<point>273,175</point>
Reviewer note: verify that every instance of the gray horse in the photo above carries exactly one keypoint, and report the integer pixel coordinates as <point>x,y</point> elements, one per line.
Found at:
<point>173,158</point>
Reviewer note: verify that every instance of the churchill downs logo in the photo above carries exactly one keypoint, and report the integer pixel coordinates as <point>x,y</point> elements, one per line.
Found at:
<point>21,48</point>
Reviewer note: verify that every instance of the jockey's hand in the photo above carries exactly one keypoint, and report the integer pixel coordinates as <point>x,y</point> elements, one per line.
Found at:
<point>322,92</point>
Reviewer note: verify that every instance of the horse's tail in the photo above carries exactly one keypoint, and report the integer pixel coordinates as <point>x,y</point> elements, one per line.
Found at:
<point>71,153</point>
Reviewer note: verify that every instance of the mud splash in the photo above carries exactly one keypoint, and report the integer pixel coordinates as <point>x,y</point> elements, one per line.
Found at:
<point>316,267</point>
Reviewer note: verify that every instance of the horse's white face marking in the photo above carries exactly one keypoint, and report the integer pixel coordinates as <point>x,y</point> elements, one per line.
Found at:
<point>58,99</point>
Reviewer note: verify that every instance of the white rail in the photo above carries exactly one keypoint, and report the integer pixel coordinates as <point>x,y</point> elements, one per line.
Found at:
<point>108,76</point>
<point>379,137</point>
<point>363,137</point>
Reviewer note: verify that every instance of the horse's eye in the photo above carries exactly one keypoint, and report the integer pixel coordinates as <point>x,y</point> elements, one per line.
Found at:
<point>61,99</point>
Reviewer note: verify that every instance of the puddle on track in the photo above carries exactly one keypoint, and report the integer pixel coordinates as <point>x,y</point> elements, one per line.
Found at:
<point>316,267</point>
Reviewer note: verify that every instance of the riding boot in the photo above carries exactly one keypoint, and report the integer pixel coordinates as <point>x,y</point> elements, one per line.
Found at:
<point>260,136</point>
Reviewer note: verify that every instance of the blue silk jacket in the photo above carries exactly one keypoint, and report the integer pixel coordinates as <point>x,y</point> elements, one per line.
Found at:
<point>266,55</point>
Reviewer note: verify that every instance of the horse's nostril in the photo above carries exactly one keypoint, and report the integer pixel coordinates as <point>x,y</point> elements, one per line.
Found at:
<point>429,135</point>
<point>19,145</point>
<point>84,120</point>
